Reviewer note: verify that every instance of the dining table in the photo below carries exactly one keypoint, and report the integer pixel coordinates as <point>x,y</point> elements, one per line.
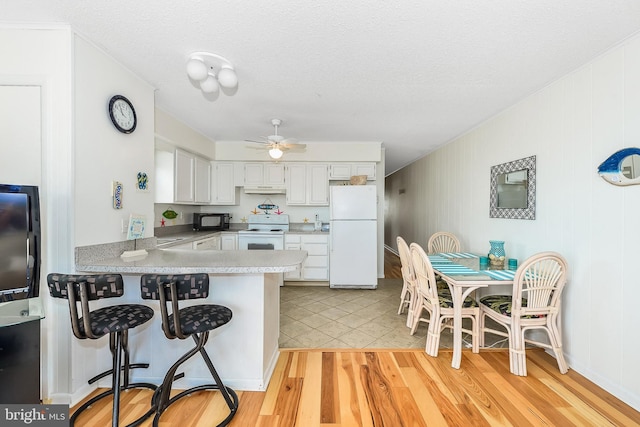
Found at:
<point>464,275</point>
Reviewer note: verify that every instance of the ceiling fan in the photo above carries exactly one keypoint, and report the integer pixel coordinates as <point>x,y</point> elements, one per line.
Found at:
<point>277,144</point>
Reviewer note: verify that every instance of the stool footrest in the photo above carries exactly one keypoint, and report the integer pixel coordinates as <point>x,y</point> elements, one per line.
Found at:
<point>233,406</point>
<point>110,371</point>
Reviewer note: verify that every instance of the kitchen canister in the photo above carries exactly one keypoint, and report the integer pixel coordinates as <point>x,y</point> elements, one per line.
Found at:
<point>496,254</point>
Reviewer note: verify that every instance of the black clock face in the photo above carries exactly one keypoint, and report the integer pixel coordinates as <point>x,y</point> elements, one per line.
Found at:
<point>122,113</point>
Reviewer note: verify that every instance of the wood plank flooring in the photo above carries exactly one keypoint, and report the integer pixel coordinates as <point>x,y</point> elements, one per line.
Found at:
<point>396,388</point>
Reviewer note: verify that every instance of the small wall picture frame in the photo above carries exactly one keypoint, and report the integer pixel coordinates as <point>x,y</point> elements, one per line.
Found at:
<point>117,195</point>
<point>136,226</point>
<point>142,182</point>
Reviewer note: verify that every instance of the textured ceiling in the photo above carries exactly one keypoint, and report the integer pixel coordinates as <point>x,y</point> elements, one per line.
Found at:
<point>413,74</point>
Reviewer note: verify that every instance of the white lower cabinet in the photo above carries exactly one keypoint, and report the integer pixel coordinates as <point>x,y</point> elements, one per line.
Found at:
<point>212,242</point>
<point>229,241</point>
<point>316,266</point>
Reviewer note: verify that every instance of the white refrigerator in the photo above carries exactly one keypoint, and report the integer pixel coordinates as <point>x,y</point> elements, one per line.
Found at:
<point>353,257</point>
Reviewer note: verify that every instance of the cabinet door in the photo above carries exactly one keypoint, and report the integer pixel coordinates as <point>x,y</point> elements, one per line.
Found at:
<point>296,274</point>
<point>208,243</point>
<point>223,190</point>
<point>229,242</point>
<point>184,177</point>
<point>296,180</point>
<point>340,171</point>
<point>368,169</point>
<point>202,180</point>
<point>317,185</point>
<point>253,173</point>
<point>274,174</point>
<point>163,186</point>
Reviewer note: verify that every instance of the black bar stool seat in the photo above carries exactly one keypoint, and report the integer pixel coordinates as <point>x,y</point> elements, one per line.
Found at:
<point>194,321</point>
<point>115,321</point>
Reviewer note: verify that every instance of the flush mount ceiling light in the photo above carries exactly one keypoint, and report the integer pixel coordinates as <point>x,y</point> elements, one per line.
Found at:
<point>211,71</point>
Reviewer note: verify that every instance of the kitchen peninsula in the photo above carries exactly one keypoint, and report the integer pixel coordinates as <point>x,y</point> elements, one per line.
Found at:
<point>248,282</point>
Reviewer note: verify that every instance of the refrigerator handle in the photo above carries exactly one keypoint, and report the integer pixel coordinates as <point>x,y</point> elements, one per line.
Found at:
<point>331,244</point>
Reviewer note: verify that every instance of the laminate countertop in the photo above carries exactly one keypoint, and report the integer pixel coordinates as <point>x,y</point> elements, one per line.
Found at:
<point>186,261</point>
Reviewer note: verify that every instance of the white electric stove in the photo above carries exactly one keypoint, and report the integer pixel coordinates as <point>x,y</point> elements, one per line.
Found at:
<point>264,232</point>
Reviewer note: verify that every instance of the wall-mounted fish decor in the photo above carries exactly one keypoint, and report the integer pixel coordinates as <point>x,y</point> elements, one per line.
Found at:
<point>622,167</point>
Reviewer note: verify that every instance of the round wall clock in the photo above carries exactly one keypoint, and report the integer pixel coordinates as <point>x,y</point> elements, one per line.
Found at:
<point>122,113</point>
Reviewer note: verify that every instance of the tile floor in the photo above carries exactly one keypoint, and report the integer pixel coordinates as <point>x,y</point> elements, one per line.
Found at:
<point>321,317</point>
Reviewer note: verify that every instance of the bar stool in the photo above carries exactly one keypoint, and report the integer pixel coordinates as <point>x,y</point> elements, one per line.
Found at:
<point>195,321</point>
<point>115,320</point>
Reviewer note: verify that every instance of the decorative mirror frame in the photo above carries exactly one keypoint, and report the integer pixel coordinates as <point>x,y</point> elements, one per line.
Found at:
<point>528,163</point>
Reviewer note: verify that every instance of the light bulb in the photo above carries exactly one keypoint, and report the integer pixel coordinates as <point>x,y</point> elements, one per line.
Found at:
<point>210,85</point>
<point>275,153</point>
<point>227,78</point>
<point>196,69</point>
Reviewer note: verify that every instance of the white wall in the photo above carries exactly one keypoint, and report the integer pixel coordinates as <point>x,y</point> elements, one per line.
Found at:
<point>571,126</point>
<point>104,155</point>
<point>42,58</point>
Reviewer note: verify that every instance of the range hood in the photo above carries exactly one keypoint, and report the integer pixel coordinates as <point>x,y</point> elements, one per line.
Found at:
<point>265,189</point>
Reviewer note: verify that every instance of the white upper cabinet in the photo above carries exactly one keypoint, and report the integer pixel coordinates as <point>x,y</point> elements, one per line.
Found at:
<point>223,189</point>
<point>307,184</point>
<point>202,176</point>
<point>263,174</point>
<point>344,171</point>
<point>182,177</point>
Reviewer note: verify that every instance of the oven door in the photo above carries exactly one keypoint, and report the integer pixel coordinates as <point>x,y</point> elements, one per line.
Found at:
<point>260,241</point>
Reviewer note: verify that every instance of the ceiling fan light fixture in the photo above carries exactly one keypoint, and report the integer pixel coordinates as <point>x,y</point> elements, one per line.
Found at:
<point>275,153</point>
<point>202,67</point>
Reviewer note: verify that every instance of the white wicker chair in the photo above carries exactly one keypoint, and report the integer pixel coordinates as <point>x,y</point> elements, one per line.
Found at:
<point>535,304</point>
<point>408,279</point>
<point>443,241</point>
<point>438,303</point>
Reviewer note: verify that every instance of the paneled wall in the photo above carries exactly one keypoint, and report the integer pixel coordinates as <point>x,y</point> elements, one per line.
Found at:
<point>571,126</point>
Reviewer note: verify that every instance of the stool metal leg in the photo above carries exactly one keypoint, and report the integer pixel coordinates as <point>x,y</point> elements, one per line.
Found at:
<point>223,389</point>
<point>118,344</point>
<point>163,401</point>
<point>117,374</point>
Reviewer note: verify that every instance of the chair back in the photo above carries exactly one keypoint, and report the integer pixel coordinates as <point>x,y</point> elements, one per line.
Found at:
<point>80,289</point>
<point>424,275</point>
<point>97,286</point>
<point>539,281</point>
<point>405,260</point>
<point>184,286</point>
<point>443,241</point>
<point>169,289</point>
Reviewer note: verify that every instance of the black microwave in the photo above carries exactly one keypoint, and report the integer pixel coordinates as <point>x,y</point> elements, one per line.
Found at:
<point>211,221</point>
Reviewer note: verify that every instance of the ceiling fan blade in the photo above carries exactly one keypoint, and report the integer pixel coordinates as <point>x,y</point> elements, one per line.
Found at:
<point>294,146</point>
<point>258,142</point>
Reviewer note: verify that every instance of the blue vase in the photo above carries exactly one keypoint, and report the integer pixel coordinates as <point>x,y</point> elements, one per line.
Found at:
<point>496,254</point>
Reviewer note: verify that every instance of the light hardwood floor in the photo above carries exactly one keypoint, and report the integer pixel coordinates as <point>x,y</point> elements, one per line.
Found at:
<point>396,387</point>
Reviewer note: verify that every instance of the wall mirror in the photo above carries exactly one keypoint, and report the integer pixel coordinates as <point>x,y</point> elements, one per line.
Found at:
<point>622,167</point>
<point>513,189</point>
